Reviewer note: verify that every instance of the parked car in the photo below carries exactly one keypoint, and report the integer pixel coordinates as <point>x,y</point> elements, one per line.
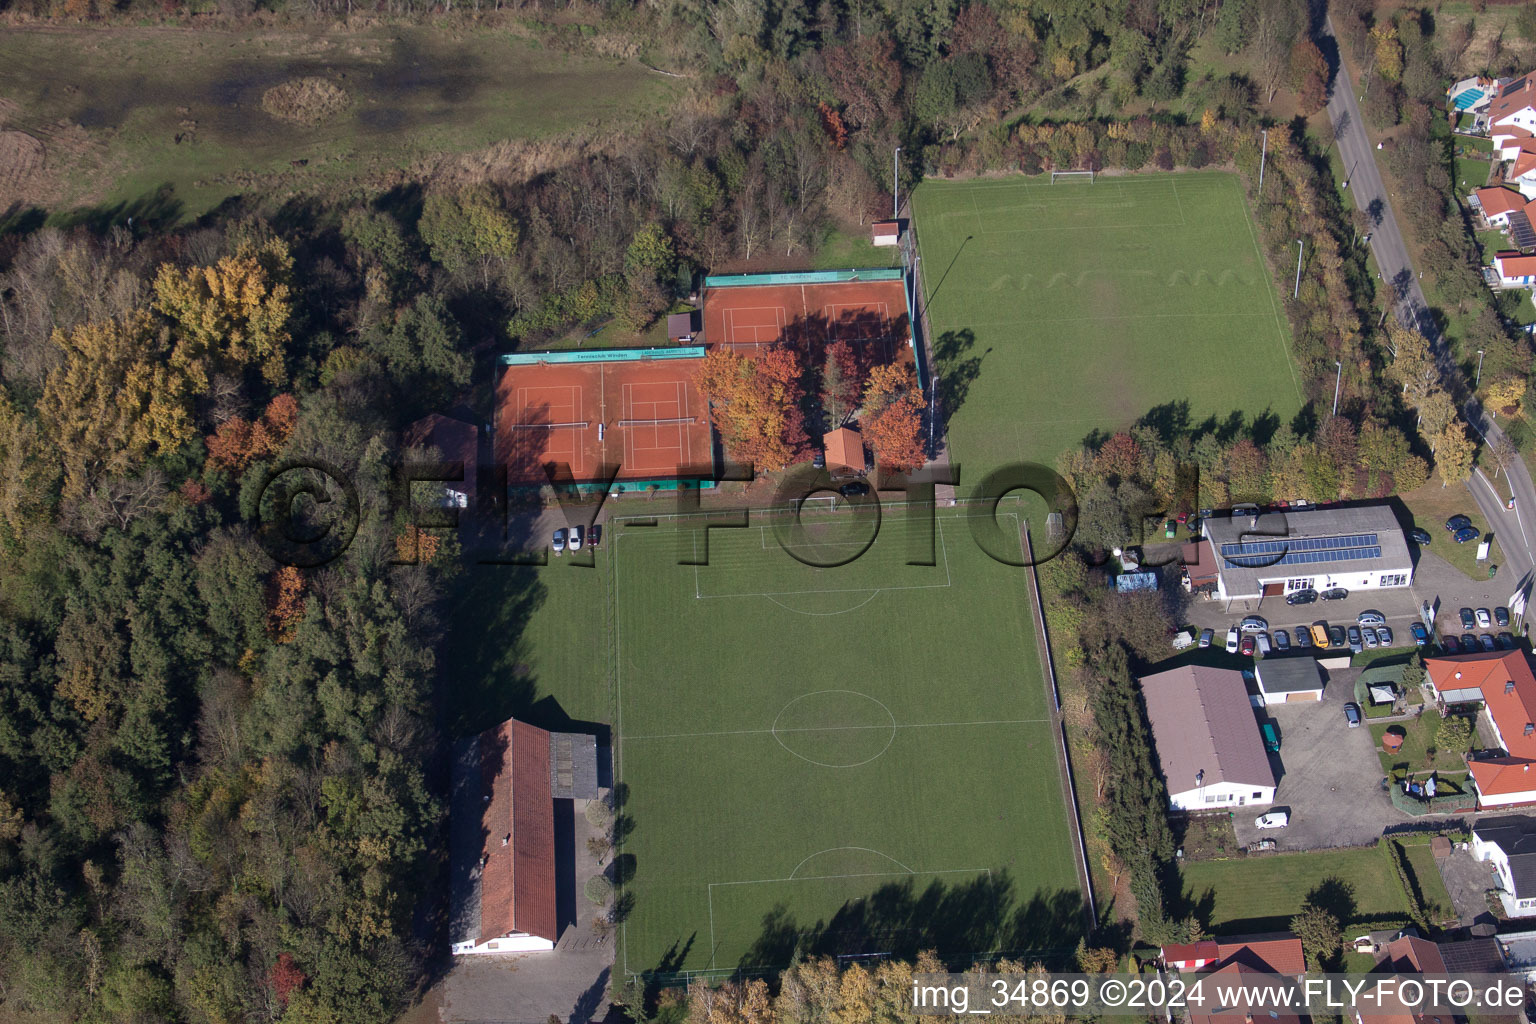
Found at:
<point>1282,640</point>
<point>1468,643</point>
<point>1420,634</point>
<point>1368,635</point>
<point>1253,624</point>
<point>1352,714</point>
<point>1336,636</point>
<point>1370,617</point>
<point>1419,536</point>
<point>1462,536</point>
<point>1384,635</point>
<point>1355,641</point>
<point>1245,510</point>
<point>1262,641</point>
<point>1303,636</point>
<point>1271,737</point>
<point>1457,523</point>
<point>1274,819</point>
<point>575,542</point>
<point>1505,642</point>
<point>1450,644</point>
<point>1468,620</point>
<point>595,535</point>
<point>559,542</point>
<point>853,489</point>
<point>1487,641</point>
<point>1335,594</point>
<point>1232,640</point>
<point>1206,636</point>
<point>1501,615</point>
<point>1247,646</point>
<point>1320,634</point>
<point>819,460</point>
<point>1484,618</point>
<point>1301,597</point>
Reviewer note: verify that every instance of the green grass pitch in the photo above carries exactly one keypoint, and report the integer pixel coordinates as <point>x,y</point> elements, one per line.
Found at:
<point>1090,304</point>
<point>856,758</point>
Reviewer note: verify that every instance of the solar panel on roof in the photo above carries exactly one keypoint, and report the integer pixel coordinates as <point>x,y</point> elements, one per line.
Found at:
<point>1301,550</point>
<point>1520,230</point>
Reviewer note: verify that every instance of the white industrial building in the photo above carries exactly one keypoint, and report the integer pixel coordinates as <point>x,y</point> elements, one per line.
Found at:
<point>1207,739</point>
<point>1276,553</point>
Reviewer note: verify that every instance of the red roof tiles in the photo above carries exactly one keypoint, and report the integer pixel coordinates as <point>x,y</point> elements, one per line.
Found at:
<point>1496,201</point>
<point>517,881</point>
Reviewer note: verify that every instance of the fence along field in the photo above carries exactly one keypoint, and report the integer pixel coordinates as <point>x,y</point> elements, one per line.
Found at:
<point>1089,304</point>
<point>859,759</point>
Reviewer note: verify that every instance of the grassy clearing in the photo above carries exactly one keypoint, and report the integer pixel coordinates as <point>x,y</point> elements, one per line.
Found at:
<point>799,769</point>
<point>1413,756</point>
<point>1063,309</point>
<point>1261,894</point>
<point>1431,505</point>
<point>171,109</point>
<point>1426,876</point>
<point>848,246</point>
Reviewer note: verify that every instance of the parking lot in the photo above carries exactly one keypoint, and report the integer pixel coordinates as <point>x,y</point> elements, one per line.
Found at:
<point>1328,776</point>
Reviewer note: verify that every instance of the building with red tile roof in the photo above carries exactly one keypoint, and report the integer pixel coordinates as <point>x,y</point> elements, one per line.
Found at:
<point>1251,960</point>
<point>504,852</point>
<point>1498,203</point>
<point>1503,682</point>
<point>1511,122</point>
<point>1515,270</point>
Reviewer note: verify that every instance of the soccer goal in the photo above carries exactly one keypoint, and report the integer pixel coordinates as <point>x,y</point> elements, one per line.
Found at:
<point>1071,176</point>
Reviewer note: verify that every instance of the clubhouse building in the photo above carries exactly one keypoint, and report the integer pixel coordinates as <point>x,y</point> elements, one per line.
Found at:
<point>1207,739</point>
<point>1277,553</point>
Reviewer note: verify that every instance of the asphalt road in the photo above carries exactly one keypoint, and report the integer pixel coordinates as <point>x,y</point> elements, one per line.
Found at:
<point>1409,306</point>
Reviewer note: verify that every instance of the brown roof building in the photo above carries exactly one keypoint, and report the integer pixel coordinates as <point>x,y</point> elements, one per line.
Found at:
<point>1207,739</point>
<point>504,853</point>
<point>845,451</point>
<point>456,440</point>
<point>1246,961</point>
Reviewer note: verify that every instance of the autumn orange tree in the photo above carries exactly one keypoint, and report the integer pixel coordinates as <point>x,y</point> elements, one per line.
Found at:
<point>891,417</point>
<point>287,604</point>
<point>755,404</point>
<point>238,442</point>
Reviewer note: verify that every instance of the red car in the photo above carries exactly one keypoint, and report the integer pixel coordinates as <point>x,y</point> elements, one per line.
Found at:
<point>1246,647</point>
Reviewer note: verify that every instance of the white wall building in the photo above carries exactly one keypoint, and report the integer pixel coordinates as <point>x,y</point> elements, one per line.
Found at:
<point>1276,553</point>
<point>1508,844</point>
<point>1207,739</point>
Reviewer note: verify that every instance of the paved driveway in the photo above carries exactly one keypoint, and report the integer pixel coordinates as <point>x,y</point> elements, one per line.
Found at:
<point>1329,777</point>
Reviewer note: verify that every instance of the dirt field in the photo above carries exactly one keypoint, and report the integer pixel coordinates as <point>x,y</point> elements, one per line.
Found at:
<point>126,113</point>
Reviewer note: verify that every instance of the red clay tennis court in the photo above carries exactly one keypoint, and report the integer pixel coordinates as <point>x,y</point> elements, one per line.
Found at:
<point>746,317</point>
<point>645,415</point>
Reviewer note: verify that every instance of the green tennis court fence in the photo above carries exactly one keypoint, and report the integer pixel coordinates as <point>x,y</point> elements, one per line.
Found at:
<point>602,355</point>
<point>805,277</point>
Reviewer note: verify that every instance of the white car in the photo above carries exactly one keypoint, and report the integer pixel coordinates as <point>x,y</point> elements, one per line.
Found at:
<point>575,541</point>
<point>1232,640</point>
<point>1274,819</point>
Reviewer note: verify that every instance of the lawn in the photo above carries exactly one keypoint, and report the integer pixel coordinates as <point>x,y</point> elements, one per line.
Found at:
<point>1260,894</point>
<point>1418,736</point>
<point>853,759</point>
<point>1426,875</point>
<point>1060,310</point>
<point>845,247</point>
<point>1434,503</point>
<point>178,114</point>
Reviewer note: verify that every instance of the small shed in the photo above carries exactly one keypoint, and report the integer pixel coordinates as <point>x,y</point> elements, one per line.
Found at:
<point>845,451</point>
<point>683,326</point>
<point>1289,680</point>
<point>885,232</point>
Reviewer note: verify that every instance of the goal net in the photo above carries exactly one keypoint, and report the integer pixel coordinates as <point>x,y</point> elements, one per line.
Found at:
<point>1071,176</point>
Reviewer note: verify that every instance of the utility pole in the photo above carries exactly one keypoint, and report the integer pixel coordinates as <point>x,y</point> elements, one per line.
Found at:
<point>1337,380</point>
<point>1263,155</point>
<point>1300,248</point>
<point>1479,369</point>
<point>895,182</point>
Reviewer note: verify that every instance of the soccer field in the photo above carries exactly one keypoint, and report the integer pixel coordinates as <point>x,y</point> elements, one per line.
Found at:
<point>856,759</point>
<point>1087,305</point>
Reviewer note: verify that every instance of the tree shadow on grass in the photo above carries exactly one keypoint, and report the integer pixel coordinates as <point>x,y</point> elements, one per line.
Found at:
<point>962,921</point>
<point>956,368</point>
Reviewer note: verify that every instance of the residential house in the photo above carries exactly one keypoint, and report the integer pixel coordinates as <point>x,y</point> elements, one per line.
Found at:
<point>1251,962</point>
<point>1503,683</point>
<point>1199,571</point>
<point>1278,553</point>
<point>1511,120</point>
<point>1288,680</point>
<point>1508,843</point>
<point>510,785</point>
<point>1409,955</point>
<point>1207,739</point>
<point>1515,270</point>
<point>1496,204</point>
